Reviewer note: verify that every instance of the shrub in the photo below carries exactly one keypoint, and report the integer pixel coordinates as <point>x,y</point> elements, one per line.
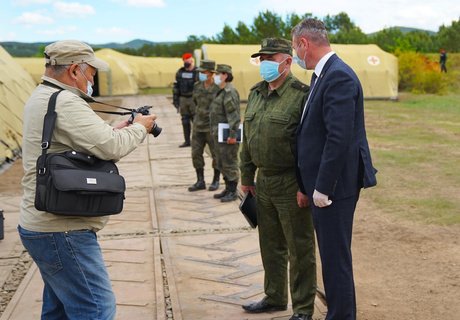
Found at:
<point>419,74</point>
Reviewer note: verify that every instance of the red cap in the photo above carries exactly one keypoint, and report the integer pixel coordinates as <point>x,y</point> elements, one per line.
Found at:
<point>186,56</point>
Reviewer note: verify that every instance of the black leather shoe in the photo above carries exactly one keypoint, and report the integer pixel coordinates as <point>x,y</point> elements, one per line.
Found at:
<point>262,306</point>
<point>299,316</point>
<point>185,144</point>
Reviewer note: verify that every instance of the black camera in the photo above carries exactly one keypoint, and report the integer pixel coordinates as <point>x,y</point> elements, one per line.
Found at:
<point>156,130</point>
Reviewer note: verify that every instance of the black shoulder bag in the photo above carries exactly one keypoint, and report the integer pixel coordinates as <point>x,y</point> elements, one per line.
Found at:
<point>73,183</point>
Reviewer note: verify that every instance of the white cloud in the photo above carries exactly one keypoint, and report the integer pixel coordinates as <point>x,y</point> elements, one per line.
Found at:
<point>58,31</point>
<point>33,18</point>
<point>30,2</point>
<point>73,8</point>
<point>114,32</point>
<point>146,3</point>
<point>8,36</point>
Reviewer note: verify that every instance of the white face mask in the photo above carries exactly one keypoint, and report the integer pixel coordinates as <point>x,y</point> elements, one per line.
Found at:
<point>217,79</point>
<point>89,86</point>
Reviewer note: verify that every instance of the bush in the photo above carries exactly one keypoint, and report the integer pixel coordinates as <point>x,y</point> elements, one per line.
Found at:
<point>419,74</point>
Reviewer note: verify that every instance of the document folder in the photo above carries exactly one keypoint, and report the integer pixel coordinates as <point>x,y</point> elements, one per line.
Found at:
<point>223,132</point>
<point>248,208</point>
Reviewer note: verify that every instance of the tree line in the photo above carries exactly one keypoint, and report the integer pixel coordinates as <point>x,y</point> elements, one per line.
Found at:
<point>341,29</point>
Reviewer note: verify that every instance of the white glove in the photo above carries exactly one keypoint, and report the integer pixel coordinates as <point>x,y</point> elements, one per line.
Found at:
<point>321,200</point>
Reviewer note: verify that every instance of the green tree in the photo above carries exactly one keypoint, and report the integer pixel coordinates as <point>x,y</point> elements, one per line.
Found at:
<point>227,36</point>
<point>388,39</point>
<point>342,30</point>
<point>245,35</point>
<point>268,24</point>
<point>449,37</point>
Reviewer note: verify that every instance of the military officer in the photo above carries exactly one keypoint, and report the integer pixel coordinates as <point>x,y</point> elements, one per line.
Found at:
<point>225,108</point>
<point>203,94</point>
<point>285,229</point>
<point>186,77</point>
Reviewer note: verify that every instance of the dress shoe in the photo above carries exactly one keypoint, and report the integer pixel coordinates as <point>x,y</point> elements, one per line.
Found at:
<point>300,316</point>
<point>262,306</point>
<point>185,144</point>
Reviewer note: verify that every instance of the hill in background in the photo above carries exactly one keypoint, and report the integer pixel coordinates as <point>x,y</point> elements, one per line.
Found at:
<point>21,49</point>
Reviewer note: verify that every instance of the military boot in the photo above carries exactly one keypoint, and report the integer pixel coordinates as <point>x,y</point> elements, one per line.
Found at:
<point>231,193</point>
<point>215,181</point>
<point>223,193</point>
<point>187,129</point>
<point>199,184</point>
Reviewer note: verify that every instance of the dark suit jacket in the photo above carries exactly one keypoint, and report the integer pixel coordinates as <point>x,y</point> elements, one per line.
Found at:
<point>332,150</point>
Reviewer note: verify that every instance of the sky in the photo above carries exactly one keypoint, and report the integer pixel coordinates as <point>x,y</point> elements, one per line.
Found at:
<point>103,21</point>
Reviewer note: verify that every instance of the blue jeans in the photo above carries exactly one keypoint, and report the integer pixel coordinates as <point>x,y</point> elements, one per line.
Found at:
<point>77,285</point>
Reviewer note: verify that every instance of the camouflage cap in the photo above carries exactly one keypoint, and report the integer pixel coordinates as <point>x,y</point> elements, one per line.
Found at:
<point>207,65</point>
<point>73,52</point>
<point>225,68</point>
<point>274,45</point>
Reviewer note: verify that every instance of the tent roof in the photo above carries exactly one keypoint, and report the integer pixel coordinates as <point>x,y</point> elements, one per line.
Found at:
<point>16,85</point>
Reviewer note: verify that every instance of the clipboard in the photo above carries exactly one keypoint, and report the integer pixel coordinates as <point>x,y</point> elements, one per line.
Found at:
<point>223,130</point>
<point>248,208</point>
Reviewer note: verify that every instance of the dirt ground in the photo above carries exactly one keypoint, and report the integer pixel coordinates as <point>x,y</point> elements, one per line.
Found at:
<point>403,270</point>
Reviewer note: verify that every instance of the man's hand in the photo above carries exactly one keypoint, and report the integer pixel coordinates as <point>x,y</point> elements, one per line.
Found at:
<point>251,189</point>
<point>321,200</point>
<point>231,140</point>
<point>121,124</point>
<point>302,200</point>
<point>147,121</point>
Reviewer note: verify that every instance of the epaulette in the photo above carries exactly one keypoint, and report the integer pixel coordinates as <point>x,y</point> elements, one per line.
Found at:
<point>258,84</point>
<point>296,84</point>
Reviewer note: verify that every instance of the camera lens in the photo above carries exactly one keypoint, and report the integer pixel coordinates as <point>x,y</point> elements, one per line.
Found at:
<point>156,130</point>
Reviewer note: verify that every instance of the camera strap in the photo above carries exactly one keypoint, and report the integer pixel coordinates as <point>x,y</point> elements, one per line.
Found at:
<point>92,100</point>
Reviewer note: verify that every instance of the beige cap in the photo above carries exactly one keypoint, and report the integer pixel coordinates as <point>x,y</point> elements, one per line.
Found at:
<point>73,52</point>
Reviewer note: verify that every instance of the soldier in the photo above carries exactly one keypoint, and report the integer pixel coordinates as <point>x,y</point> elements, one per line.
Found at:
<point>285,229</point>
<point>225,108</point>
<point>204,92</point>
<point>186,77</point>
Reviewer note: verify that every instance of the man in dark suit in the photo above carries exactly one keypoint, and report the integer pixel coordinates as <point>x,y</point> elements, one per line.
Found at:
<point>333,158</point>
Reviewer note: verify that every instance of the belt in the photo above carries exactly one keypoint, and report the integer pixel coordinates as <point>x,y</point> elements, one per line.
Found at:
<point>275,172</point>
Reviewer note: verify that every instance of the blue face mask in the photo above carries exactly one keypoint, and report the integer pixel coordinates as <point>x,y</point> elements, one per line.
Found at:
<point>299,61</point>
<point>217,79</point>
<point>202,76</point>
<point>269,70</point>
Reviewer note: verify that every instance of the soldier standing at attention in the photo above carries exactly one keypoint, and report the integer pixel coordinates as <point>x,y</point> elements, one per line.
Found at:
<point>203,94</point>
<point>285,229</point>
<point>186,77</point>
<point>225,108</point>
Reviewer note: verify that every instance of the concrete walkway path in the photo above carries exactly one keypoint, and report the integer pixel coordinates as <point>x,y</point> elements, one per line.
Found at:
<point>171,254</point>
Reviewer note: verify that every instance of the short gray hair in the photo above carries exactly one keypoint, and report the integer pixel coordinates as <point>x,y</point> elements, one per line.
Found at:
<point>58,70</point>
<point>313,29</point>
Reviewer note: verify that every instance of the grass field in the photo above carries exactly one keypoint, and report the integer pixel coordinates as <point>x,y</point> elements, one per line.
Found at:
<point>415,145</point>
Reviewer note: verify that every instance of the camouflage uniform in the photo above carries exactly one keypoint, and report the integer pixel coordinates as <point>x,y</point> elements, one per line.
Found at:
<point>225,108</point>
<point>285,230</point>
<point>202,98</point>
<point>182,98</point>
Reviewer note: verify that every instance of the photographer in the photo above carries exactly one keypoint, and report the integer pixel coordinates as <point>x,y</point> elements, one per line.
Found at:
<point>65,248</point>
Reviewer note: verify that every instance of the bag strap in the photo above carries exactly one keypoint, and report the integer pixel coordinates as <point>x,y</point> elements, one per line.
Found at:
<point>49,122</point>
